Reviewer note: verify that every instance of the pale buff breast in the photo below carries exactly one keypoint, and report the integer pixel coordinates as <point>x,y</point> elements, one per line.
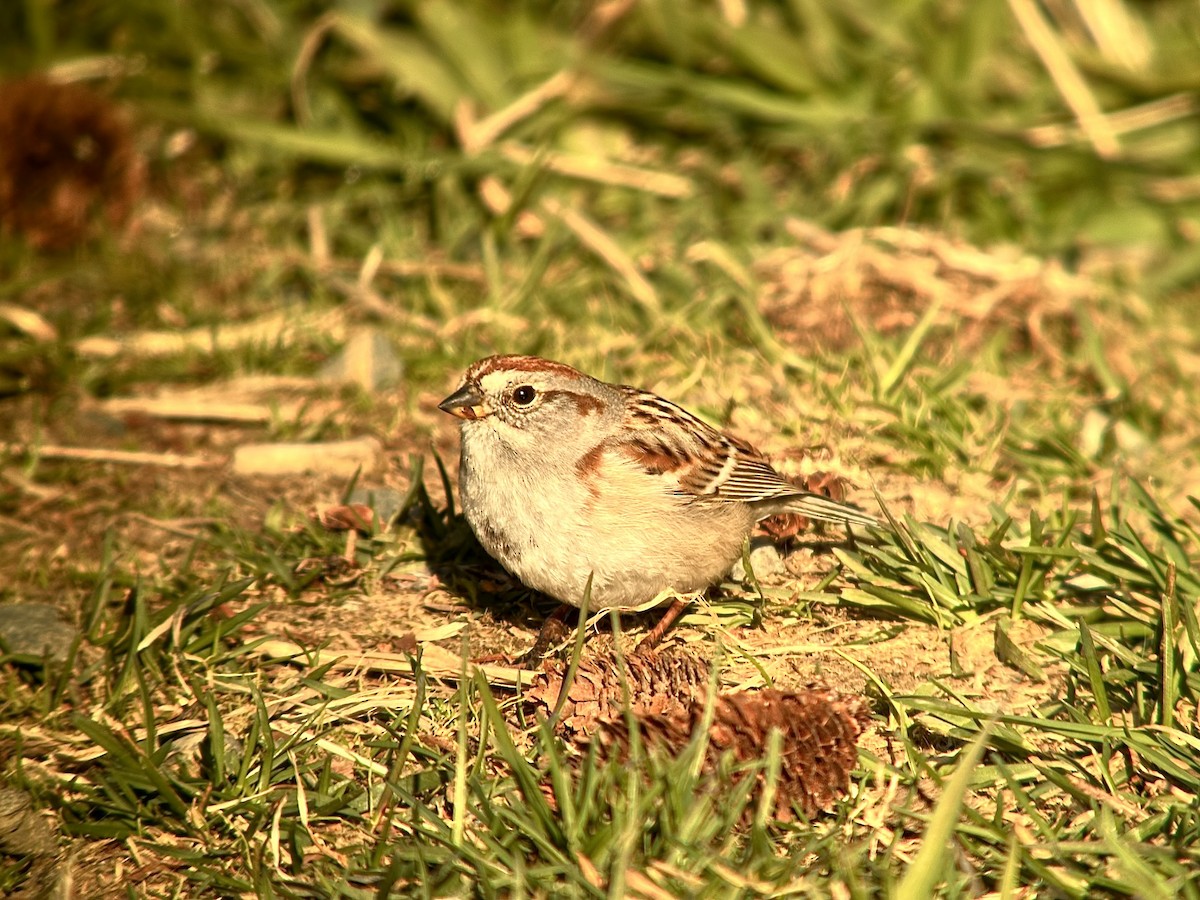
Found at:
<point>600,515</point>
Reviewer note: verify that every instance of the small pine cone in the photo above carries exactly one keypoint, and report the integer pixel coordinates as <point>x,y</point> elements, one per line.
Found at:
<point>66,157</point>
<point>820,730</point>
<point>659,683</point>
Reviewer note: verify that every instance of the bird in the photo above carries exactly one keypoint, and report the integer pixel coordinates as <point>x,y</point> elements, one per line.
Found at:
<point>569,481</point>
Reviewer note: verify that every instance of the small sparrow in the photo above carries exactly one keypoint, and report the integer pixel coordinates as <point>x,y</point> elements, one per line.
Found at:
<point>563,477</point>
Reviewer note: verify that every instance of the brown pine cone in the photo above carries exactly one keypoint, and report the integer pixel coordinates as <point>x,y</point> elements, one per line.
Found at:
<point>659,683</point>
<point>819,727</point>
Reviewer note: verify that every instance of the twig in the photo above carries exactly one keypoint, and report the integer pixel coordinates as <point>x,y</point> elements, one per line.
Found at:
<point>436,661</point>
<point>370,266</point>
<point>121,457</point>
<point>191,409</point>
<point>318,237</point>
<point>475,136</point>
<point>1066,77</point>
<point>1142,117</point>
<point>309,46</point>
<point>596,240</point>
<point>16,525</point>
<point>601,171</point>
<point>332,457</point>
<point>371,301</point>
<point>29,322</point>
<point>397,268</point>
<point>172,526</point>
<point>272,329</point>
<point>39,492</point>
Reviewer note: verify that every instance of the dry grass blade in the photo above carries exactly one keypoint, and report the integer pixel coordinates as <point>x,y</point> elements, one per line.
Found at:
<point>269,330</point>
<point>198,409</point>
<point>1142,117</point>
<point>1118,34</point>
<point>476,135</point>
<point>436,661</point>
<point>28,322</point>
<point>1074,89</point>
<point>602,171</point>
<point>119,457</point>
<point>604,246</point>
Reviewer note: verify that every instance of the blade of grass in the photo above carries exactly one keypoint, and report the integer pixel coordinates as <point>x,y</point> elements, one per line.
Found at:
<point>903,362</point>
<point>1167,652</point>
<point>1095,677</point>
<point>930,864</point>
<point>576,653</point>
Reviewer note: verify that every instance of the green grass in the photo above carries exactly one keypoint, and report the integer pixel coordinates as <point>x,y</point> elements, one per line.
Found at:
<point>1026,625</point>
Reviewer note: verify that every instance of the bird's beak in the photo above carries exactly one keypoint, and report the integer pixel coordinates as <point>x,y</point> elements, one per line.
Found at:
<point>465,403</point>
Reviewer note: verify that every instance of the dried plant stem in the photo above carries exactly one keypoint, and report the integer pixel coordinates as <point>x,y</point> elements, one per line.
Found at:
<point>274,328</point>
<point>120,457</point>
<point>1070,83</point>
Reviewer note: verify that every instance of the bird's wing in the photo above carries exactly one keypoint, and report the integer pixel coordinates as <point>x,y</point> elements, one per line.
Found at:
<point>705,464</point>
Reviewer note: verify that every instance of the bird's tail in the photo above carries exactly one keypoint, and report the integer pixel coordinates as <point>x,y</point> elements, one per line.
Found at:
<point>814,506</point>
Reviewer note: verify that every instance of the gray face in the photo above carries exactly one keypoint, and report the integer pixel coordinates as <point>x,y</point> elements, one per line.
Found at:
<point>523,408</point>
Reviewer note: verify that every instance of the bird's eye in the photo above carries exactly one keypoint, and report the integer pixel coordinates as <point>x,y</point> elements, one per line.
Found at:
<point>524,395</point>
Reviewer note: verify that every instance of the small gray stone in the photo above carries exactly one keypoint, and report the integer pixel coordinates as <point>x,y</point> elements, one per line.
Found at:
<point>367,360</point>
<point>22,831</point>
<point>766,561</point>
<point>35,629</point>
<point>385,501</point>
<point>186,752</point>
<point>29,837</point>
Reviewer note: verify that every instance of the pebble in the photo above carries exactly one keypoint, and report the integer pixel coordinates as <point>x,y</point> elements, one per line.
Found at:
<point>367,360</point>
<point>35,629</point>
<point>765,559</point>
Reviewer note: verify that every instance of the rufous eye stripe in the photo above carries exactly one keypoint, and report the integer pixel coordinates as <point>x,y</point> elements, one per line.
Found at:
<point>585,403</point>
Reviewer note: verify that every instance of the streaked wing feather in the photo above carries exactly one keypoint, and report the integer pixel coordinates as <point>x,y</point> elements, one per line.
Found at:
<point>751,479</point>
<point>711,465</point>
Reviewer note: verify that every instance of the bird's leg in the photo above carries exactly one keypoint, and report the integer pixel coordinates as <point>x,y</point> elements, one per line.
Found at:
<point>655,635</point>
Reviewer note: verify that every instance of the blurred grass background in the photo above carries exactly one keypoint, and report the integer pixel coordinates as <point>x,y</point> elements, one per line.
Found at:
<point>623,185</point>
<point>438,132</point>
